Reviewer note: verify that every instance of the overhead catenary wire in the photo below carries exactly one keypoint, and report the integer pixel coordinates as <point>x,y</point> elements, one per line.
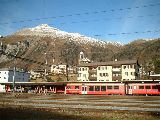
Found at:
<point>84,13</point>
<point>104,19</point>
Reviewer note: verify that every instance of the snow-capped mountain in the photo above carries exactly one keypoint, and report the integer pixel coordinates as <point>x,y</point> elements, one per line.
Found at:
<point>45,30</point>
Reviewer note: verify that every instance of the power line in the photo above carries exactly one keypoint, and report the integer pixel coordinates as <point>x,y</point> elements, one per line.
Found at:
<point>104,19</point>
<point>85,13</point>
<point>129,33</point>
<point>24,59</point>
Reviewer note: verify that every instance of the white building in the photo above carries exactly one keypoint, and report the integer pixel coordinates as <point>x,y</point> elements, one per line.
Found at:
<point>59,69</point>
<point>83,59</point>
<point>109,71</point>
<point>6,75</point>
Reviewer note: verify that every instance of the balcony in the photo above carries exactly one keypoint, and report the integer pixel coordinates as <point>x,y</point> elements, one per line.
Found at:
<point>116,69</point>
<point>92,71</point>
<point>114,78</point>
<point>93,77</point>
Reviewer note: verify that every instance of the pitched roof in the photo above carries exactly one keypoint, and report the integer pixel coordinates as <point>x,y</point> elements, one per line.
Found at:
<point>112,63</point>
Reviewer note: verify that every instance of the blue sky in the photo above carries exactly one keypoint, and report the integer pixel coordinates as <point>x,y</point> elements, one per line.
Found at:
<point>108,20</point>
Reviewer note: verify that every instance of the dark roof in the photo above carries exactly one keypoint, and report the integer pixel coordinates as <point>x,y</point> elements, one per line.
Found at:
<point>112,63</point>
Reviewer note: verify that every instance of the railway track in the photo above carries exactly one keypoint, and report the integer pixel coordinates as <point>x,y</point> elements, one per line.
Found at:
<point>125,103</point>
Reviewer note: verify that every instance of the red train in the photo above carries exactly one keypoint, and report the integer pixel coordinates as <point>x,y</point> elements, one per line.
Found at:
<point>149,87</point>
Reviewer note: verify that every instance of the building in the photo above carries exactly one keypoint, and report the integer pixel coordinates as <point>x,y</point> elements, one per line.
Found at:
<point>109,71</point>
<point>6,75</point>
<point>59,69</point>
<point>82,58</point>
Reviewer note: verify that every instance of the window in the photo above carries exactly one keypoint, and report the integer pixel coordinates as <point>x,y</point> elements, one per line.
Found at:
<point>130,87</point>
<point>76,87</point>
<point>124,67</point>
<point>79,74</point>
<point>148,87</point>
<point>105,74</point>
<point>100,74</point>
<point>155,87</point>
<point>109,87</point>
<point>4,77</point>
<point>106,67</point>
<point>126,73</point>
<point>68,87</point>
<point>102,67</point>
<point>97,88</point>
<point>132,73</point>
<point>99,68</point>
<point>91,88</point>
<point>141,87</point>
<point>82,69</point>
<point>116,87</point>
<point>134,87</point>
<point>103,88</point>
<point>84,75</point>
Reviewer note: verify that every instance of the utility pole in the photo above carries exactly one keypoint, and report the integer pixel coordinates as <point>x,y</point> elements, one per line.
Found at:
<point>14,75</point>
<point>67,66</point>
<point>1,50</point>
<point>45,70</point>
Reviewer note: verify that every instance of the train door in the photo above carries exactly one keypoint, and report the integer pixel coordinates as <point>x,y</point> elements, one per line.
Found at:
<point>84,89</point>
<point>129,89</point>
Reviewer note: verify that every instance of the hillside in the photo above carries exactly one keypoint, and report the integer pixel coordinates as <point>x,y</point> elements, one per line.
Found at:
<point>147,52</point>
<point>31,44</point>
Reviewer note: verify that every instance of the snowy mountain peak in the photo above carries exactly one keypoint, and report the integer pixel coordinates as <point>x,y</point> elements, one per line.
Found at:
<point>45,30</point>
<point>44,27</point>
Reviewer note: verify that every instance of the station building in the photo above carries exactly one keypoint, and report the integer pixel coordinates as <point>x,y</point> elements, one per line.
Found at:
<point>7,75</point>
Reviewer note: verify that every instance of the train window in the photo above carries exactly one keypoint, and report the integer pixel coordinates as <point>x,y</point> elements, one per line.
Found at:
<point>103,88</point>
<point>68,87</point>
<point>130,87</point>
<point>76,87</point>
<point>135,87</point>
<point>148,87</point>
<point>109,87</point>
<point>116,87</point>
<point>141,87</point>
<point>155,87</point>
<point>97,88</point>
<point>91,88</point>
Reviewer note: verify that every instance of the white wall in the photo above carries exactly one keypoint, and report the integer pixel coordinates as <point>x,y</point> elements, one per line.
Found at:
<point>128,73</point>
<point>4,76</point>
<point>102,71</point>
<point>2,88</point>
<point>83,74</point>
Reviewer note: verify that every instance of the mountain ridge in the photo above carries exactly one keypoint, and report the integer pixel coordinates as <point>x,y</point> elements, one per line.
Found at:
<point>32,46</point>
<point>44,30</point>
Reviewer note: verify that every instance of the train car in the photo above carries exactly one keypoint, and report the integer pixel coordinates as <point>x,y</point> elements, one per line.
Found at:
<point>143,88</point>
<point>96,88</point>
